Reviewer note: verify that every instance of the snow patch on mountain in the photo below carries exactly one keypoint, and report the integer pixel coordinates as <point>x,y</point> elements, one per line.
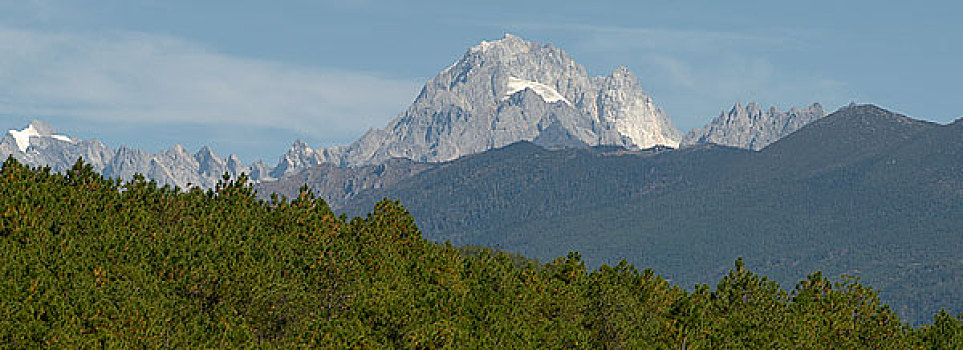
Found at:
<point>547,93</point>
<point>62,138</point>
<point>22,137</point>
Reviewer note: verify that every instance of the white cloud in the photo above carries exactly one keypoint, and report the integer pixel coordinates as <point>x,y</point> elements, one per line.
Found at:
<point>137,77</point>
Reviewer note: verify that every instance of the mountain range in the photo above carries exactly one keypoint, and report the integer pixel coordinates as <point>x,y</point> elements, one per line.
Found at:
<point>512,90</point>
<point>39,145</point>
<point>499,92</point>
<point>515,146</point>
<point>862,191</point>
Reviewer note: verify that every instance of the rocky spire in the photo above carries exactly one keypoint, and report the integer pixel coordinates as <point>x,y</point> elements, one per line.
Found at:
<point>751,128</point>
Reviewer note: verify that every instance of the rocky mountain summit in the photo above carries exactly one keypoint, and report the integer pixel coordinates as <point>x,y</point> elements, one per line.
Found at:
<point>501,92</point>
<point>39,145</point>
<point>750,127</point>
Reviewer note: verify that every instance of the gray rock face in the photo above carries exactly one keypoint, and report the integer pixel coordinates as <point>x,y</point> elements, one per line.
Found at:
<point>39,145</point>
<point>235,167</point>
<point>127,162</point>
<point>261,171</point>
<point>752,128</point>
<point>300,156</point>
<point>501,92</point>
<point>209,164</point>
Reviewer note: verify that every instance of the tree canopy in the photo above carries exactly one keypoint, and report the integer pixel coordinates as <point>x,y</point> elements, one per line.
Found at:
<point>91,262</point>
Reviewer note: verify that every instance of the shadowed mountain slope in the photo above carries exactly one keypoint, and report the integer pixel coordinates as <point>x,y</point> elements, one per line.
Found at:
<point>862,191</point>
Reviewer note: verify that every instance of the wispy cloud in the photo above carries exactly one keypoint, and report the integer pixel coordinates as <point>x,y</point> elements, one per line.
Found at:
<point>146,78</point>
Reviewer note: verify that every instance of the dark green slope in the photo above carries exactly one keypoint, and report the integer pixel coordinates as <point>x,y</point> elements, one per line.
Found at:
<point>523,182</point>
<point>854,135</point>
<point>862,191</point>
<point>87,262</point>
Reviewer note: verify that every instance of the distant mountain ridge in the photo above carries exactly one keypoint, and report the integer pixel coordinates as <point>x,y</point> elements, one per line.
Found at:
<point>752,128</point>
<point>38,145</point>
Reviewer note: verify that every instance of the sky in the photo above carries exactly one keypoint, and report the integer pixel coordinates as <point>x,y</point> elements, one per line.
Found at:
<point>251,77</point>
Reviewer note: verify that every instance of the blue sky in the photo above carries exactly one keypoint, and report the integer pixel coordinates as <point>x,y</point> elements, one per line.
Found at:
<point>250,77</point>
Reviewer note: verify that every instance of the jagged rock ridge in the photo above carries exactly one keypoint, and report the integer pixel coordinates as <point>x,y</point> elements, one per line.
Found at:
<point>39,145</point>
<point>752,128</point>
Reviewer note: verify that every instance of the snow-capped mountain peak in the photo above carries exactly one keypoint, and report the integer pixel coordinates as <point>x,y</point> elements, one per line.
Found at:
<point>479,103</point>
<point>35,129</point>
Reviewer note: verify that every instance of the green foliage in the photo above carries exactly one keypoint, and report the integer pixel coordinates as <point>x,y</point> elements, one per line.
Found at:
<point>867,193</point>
<point>946,332</point>
<point>88,262</point>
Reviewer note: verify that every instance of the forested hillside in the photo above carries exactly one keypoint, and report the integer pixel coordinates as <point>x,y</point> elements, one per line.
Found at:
<point>862,191</point>
<point>87,262</point>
